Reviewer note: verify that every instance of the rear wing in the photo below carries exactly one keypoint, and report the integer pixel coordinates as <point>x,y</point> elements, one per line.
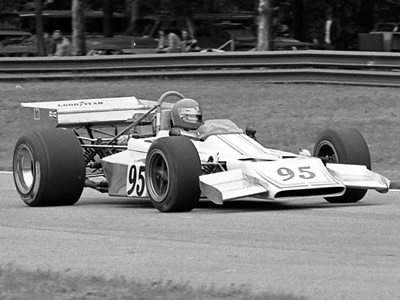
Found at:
<point>93,112</point>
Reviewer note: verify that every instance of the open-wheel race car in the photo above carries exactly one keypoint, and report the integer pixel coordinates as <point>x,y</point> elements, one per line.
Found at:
<point>164,151</point>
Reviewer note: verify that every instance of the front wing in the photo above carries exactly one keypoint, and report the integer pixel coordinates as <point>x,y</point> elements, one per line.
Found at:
<point>288,178</point>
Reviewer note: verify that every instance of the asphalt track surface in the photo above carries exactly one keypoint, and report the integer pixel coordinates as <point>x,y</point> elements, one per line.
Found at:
<point>305,247</point>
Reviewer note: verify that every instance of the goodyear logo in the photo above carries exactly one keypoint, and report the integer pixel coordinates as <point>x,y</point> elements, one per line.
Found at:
<point>80,103</point>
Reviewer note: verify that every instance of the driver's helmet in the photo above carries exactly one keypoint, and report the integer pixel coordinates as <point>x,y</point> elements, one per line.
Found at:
<point>187,114</point>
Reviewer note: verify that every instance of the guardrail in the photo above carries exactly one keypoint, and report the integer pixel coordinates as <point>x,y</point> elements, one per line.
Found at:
<point>369,68</point>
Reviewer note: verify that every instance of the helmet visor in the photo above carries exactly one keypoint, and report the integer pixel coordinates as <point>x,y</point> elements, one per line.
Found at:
<point>190,114</point>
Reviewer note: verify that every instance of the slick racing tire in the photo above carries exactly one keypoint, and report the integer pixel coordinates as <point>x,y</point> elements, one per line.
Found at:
<point>49,168</point>
<point>344,146</point>
<point>172,174</point>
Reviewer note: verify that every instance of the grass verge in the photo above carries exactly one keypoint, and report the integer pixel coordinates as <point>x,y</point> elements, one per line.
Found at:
<point>20,284</point>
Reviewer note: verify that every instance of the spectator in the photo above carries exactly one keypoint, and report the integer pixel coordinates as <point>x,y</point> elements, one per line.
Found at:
<point>331,33</point>
<point>162,43</point>
<point>188,43</point>
<point>62,46</point>
<point>169,44</point>
<point>48,43</point>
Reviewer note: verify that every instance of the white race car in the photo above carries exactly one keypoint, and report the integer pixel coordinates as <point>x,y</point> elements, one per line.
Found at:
<point>165,152</point>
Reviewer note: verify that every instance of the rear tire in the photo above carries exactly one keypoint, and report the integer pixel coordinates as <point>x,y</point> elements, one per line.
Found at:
<point>344,146</point>
<point>49,168</point>
<point>172,174</point>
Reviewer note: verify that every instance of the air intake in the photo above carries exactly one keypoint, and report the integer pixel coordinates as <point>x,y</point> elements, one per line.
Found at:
<point>310,192</point>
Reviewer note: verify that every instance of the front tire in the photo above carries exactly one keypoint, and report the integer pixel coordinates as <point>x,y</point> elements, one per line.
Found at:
<point>344,146</point>
<point>49,168</point>
<point>172,174</point>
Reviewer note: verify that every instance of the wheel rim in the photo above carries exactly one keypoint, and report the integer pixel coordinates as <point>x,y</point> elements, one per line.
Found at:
<point>327,149</point>
<point>24,169</point>
<point>159,183</point>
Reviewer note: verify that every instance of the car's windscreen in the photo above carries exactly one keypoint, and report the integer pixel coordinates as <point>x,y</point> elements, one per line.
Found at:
<point>9,21</point>
<point>388,27</point>
<point>13,38</point>
<point>93,23</point>
<point>143,27</point>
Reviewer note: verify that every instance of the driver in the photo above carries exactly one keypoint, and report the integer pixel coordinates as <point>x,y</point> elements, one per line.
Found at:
<point>187,114</point>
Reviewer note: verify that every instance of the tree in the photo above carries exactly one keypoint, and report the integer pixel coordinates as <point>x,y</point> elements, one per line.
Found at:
<point>108,23</point>
<point>78,28</point>
<point>298,30</point>
<point>40,44</point>
<point>132,8</point>
<point>264,25</point>
<point>366,15</point>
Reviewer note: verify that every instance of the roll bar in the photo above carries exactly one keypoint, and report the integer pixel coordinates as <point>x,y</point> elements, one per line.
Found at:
<point>159,105</point>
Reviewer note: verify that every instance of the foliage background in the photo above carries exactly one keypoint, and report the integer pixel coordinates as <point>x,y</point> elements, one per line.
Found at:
<point>304,18</point>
